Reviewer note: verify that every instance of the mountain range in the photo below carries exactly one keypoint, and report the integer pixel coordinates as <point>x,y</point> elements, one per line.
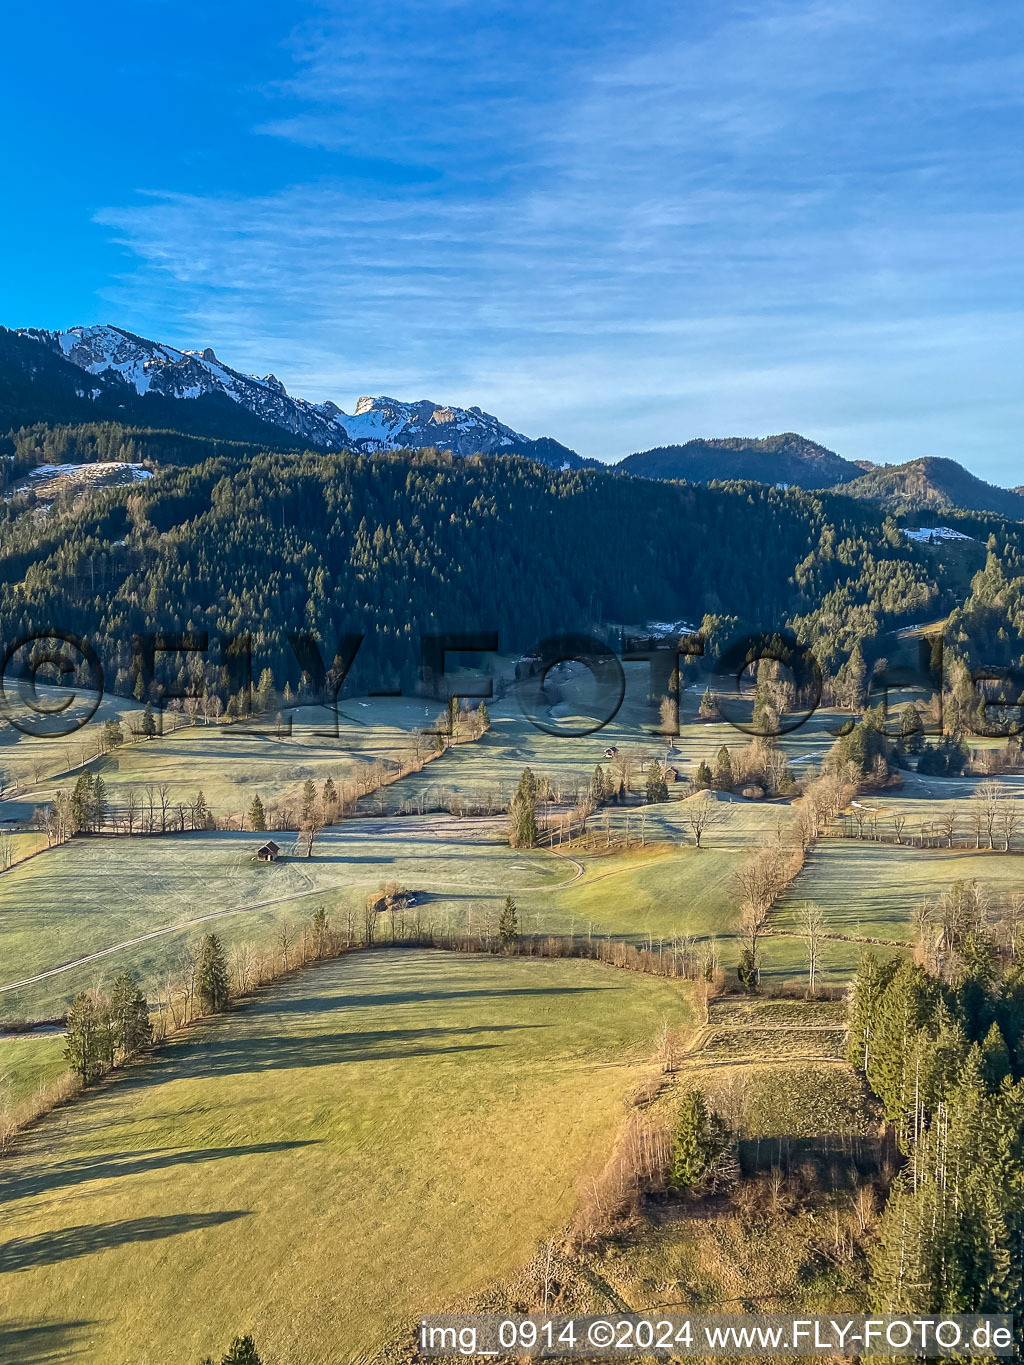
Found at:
<point>104,373</point>
<point>125,368</point>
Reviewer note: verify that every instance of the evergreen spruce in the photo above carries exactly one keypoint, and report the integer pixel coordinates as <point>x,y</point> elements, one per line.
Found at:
<point>657,787</point>
<point>241,1352</point>
<point>257,815</point>
<point>508,926</point>
<point>130,1013</point>
<point>82,1043</point>
<point>522,812</point>
<point>723,778</point>
<point>212,976</point>
<point>702,1140</point>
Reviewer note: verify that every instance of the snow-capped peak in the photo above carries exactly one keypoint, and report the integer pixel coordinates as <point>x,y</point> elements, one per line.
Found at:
<point>378,424</point>
<point>388,424</point>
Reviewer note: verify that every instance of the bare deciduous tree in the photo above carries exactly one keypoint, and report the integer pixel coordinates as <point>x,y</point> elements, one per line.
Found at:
<point>812,926</point>
<point>702,812</point>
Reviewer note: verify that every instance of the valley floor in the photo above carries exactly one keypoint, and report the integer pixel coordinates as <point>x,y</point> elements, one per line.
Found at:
<point>367,1141</point>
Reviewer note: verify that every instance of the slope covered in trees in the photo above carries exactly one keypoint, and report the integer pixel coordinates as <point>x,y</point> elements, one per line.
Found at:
<point>237,539</point>
<point>788,458</point>
<point>933,484</point>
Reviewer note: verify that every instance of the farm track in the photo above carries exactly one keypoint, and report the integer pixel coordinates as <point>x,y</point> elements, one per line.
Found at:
<point>182,925</point>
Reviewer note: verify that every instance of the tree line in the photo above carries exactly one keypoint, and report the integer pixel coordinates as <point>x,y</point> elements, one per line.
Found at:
<point>236,539</point>
<point>941,1043</point>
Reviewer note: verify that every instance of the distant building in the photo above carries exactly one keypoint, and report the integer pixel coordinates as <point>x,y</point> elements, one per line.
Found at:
<point>268,852</point>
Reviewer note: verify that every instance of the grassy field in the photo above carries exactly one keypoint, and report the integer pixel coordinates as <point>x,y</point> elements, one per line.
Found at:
<point>93,893</point>
<point>376,1138</point>
<point>28,759</point>
<point>796,1243</point>
<point>229,763</point>
<point>26,1062</point>
<point>487,770</point>
<point>668,888</point>
<point>871,890</point>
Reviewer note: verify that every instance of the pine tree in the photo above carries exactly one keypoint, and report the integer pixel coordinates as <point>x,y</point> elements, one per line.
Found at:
<point>869,985</point>
<point>241,1352</point>
<point>257,815</point>
<point>702,777</point>
<point>995,1058</point>
<point>657,787</point>
<point>508,926</point>
<point>906,1005</point>
<point>130,1012</point>
<point>212,976</point>
<point>708,709</point>
<point>148,721</point>
<point>82,1040</point>
<point>266,692</point>
<point>723,779</point>
<point>856,672</point>
<point>911,733</point>
<point>200,812</point>
<point>308,801</point>
<point>598,786</point>
<point>99,804</point>
<point>702,1139</point>
<point>320,926</point>
<point>522,812</point>
<point>484,717</point>
<point>81,801</point>
<point>330,797</point>
<point>452,716</point>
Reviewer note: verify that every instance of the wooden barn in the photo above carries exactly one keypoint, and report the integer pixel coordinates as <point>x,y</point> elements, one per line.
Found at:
<point>268,852</point>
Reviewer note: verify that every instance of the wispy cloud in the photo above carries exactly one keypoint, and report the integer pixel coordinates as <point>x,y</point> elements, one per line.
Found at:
<point>621,233</point>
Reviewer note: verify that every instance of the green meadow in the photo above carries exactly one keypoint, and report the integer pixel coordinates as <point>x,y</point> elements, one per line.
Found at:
<point>28,1060</point>
<point>427,1115</point>
<point>94,893</point>
<point>871,890</point>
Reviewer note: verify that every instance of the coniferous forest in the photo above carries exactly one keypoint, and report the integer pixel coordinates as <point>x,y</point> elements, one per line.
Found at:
<point>233,539</point>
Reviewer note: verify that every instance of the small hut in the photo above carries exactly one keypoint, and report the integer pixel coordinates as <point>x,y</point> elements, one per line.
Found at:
<point>268,852</point>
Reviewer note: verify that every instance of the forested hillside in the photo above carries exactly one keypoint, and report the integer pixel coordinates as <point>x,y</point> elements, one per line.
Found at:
<point>787,458</point>
<point>930,484</point>
<point>229,538</point>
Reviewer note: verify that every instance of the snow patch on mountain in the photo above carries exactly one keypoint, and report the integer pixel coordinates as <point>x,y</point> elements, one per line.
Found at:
<point>378,424</point>
<point>389,424</point>
<point>927,534</point>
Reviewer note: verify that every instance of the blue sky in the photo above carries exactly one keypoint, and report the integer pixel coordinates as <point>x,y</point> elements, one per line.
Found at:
<point>619,225</point>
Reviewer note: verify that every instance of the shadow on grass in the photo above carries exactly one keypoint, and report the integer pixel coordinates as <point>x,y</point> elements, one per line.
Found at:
<point>40,1343</point>
<point>63,1174</point>
<point>225,1054</point>
<point>47,1248</point>
<point>312,1004</point>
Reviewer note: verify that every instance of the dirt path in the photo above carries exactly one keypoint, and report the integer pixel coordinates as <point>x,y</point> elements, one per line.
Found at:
<point>153,933</point>
<point>182,925</point>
